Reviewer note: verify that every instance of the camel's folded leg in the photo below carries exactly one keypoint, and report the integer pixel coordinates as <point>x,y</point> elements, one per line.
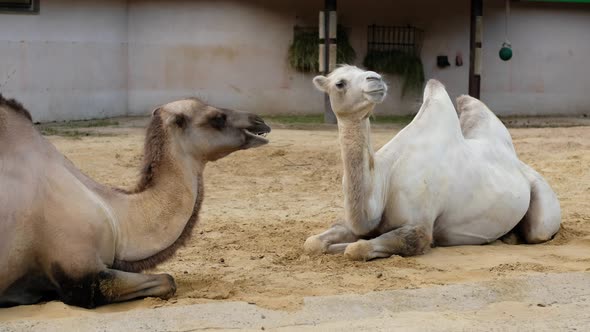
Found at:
<point>543,217</point>
<point>110,286</point>
<point>332,241</point>
<point>29,289</point>
<point>408,240</point>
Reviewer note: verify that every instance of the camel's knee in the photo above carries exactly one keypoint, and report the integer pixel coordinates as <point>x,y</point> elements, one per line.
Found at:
<point>415,241</point>
<point>404,241</point>
<point>84,291</point>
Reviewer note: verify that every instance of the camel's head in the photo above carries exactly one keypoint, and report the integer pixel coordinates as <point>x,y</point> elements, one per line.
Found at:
<point>209,133</point>
<point>353,92</point>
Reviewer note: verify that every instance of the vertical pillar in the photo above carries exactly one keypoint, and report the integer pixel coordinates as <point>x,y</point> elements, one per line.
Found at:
<point>475,48</point>
<point>327,29</point>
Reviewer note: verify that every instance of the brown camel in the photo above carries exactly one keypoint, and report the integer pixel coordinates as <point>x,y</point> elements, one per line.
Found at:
<point>64,236</point>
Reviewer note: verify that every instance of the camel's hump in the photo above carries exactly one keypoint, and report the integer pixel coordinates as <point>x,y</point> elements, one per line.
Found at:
<point>433,89</point>
<point>464,102</point>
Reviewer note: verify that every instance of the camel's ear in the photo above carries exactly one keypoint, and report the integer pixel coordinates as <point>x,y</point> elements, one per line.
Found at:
<point>321,82</point>
<point>179,120</point>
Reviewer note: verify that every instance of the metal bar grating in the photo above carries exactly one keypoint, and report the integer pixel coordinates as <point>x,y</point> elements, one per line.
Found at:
<point>406,39</point>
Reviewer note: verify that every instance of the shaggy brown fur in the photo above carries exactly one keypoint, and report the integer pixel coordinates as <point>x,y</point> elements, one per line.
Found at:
<point>16,106</point>
<point>154,150</point>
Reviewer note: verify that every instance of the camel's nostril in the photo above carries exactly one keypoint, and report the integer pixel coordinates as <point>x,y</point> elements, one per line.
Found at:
<point>257,120</point>
<point>257,125</point>
<point>373,78</point>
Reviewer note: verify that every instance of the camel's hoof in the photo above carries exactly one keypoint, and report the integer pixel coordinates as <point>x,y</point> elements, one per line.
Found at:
<point>171,287</point>
<point>314,246</point>
<point>512,238</point>
<point>359,251</point>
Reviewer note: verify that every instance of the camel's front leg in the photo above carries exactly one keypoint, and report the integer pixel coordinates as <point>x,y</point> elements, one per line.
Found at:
<point>332,241</point>
<point>110,286</point>
<point>408,240</point>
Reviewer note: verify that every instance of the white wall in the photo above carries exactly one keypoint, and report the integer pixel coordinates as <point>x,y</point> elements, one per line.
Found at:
<point>549,73</point>
<point>231,54</point>
<point>234,53</point>
<point>68,62</point>
<point>87,59</point>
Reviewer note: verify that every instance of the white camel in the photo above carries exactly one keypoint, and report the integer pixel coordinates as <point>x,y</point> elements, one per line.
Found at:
<point>443,180</point>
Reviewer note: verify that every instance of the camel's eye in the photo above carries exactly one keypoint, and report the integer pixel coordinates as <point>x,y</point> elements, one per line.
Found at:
<point>218,121</point>
<point>341,84</point>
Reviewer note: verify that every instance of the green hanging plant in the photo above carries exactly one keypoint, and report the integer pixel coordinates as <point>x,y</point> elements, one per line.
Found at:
<point>408,66</point>
<point>304,52</point>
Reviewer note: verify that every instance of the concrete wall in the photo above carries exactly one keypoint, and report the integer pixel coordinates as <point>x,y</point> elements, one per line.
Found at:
<point>229,53</point>
<point>68,62</point>
<point>549,73</point>
<point>86,59</point>
<point>234,53</point>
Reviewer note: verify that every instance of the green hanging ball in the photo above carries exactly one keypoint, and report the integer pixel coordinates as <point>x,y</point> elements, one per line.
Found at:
<point>505,52</point>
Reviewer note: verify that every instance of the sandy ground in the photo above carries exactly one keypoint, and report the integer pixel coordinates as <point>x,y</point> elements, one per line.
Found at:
<point>260,206</point>
<point>478,306</point>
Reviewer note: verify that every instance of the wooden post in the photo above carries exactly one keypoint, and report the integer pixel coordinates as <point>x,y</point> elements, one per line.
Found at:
<point>329,35</point>
<point>475,48</point>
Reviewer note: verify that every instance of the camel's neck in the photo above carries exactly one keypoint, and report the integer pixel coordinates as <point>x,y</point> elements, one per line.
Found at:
<point>358,162</point>
<point>153,222</point>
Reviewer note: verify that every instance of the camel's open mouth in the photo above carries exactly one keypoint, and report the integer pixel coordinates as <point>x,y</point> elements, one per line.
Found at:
<point>256,135</point>
<point>259,134</point>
